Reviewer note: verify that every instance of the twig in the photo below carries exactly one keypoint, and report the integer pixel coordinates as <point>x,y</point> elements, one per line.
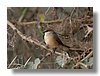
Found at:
<point>45,56</point>
<point>71,16</point>
<point>47,10</point>
<point>51,53</point>
<point>12,61</point>
<point>27,62</point>
<point>76,49</point>
<point>52,21</point>
<point>89,55</point>
<point>45,22</point>
<point>72,12</point>
<point>70,21</point>
<point>89,29</point>
<point>84,65</point>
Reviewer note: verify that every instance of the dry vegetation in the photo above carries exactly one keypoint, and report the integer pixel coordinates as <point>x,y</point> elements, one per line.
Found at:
<point>26,48</point>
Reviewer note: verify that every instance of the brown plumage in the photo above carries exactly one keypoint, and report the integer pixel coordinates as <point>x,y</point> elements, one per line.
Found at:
<point>52,40</point>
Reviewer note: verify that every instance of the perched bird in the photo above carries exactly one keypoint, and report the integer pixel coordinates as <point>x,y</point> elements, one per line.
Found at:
<point>52,40</point>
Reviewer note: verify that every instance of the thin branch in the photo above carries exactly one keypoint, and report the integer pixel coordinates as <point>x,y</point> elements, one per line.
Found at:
<point>72,12</point>
<point>84,65</point>
<point>50,54</point>
<point>12,61</point>
<point>47,10</point>
<point>89,55</point>
<point>54,21</point>
<point>45,56</point>
<point>71,16</point>
<point>70,21</point>
<point>27,61</point>
<point>36,22</point>
<point>77,49</point>
<point>50,22</point>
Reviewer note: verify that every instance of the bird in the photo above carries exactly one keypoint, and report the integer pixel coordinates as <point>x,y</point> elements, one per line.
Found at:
<point>52,40</point>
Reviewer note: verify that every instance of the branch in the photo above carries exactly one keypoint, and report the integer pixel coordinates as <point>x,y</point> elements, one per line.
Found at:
<point>29,39</point>
<point>27,61</point>
<point>12,61</point>
<point>45,22</point>
<point>47,10</point>
<point>71,16</point>
<point>89,55</point>
<point>84,65</point>
<point>55,21</point>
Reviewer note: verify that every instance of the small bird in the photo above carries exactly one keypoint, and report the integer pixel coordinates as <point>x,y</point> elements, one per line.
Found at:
<point>52,40</point>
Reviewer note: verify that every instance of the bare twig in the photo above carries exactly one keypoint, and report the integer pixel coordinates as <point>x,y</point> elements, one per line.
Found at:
<point>12,61</point>
<point>84,65</point>
<point>89,29</point>
<point>27,61</point>
<point>45,22</point>
<point>76,49</point>
<point>52,21</point>
<point>45,56</point>
<point>72,11</point>
<point>47,10</point>
<point>70,21</point>
<point>89,55</point>
<point>71,16</point>
<point>50,54</point>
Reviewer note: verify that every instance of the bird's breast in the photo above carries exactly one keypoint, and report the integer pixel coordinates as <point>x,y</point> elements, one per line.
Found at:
<point>50,41</point>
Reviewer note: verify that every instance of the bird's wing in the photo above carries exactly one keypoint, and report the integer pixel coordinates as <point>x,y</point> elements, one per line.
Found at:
<point>59,41</point>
